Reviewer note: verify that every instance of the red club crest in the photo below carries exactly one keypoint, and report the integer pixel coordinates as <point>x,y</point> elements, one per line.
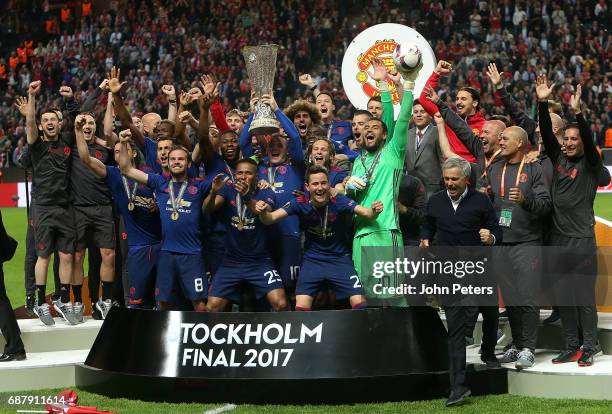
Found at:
<point>282,169</point>
<point>523,178</point>
<point>123,235</point>
<point>192,189</point>
<point>98,154</point>
<point>67,151</point>
<point>340,130</point>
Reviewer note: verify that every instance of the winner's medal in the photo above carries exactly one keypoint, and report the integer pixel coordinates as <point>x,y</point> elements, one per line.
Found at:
<point>131,194</point>
<point>241,209</point>
<point>175,202</point>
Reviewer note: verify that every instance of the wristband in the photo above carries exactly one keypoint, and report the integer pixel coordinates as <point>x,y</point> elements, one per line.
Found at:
<point>408,85</point>
<point>383,86</point>
<point>172,102</point>
<point>314,87</point>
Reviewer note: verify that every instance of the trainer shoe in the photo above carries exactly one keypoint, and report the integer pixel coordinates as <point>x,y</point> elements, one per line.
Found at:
<point>65,310</point>
<point>95,312</point>
<point>554,317</point>
<point>104,306</point>
<point>586,359</point>
<point>570,355</point>
<point>526,359</point>
<point>490,361</point>
<point>79,309</point>
<point>511,355</point>
<point>30,304</point>
<point>44,314</point>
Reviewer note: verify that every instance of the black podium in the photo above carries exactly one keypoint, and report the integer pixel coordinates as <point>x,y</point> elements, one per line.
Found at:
<point>376,355</point>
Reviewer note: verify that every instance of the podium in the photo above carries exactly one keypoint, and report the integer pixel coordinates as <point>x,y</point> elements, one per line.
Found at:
<point>346,356</point>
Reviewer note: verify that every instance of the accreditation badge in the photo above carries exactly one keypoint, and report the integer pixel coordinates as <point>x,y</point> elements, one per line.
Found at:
<point>505,218</point>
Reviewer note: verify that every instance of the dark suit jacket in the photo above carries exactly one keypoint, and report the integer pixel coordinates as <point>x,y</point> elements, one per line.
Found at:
<point>443,226</point>
<point>425,163</point>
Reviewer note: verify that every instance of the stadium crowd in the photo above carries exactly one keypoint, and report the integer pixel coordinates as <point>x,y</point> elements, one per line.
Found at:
<point>135,121</point>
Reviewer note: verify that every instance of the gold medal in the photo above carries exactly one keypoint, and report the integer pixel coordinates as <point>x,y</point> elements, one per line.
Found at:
<point>130,206</point>
<point>240,225</point>
<point>175,215</point>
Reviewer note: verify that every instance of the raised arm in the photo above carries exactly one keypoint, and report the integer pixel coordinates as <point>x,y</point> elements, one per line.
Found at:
<point>170,93</point>
<point>125,163</point>
<point>519,117</point>
<point>307,80</point>
<point>31,128</point>
<point>245,138</point>
<point>590,151</point>
<point>121,111</point>
<point>205,149</point>
<point>214,200</point>
<point>444,148</point>
<point>551,145</point>
<point>89,105</point>
<point>94,164</point>
<point>379,74</point>
<point>109,122</point>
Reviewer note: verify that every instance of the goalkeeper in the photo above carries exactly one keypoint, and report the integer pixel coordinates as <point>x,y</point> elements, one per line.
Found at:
<point>376,175</point>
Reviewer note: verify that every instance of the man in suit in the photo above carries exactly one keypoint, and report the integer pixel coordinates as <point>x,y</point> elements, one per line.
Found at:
<point>13,350</point>
<point>461,216</point>
<point>423,152</point>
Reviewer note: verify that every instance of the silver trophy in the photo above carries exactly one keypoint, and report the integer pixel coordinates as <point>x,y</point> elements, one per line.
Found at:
<point>261,67</point>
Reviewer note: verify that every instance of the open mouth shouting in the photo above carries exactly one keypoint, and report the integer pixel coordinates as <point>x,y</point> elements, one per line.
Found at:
<point>370,139</point>
<point>302,128</point>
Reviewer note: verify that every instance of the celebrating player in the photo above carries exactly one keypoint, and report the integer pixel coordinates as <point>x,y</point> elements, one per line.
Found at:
<point>326,222</point>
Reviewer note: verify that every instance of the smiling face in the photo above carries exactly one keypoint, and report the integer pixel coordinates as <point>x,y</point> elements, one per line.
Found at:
<point>178,161</point>
<point>302,122</point>
<point>466,105</point>
<point>375,108</point>
<point>320,154</point>
<point>50,125</point>
<point>163,149</point>
<point>420,116</point>
<point>454,181</point>
<point>509,144</point>
<point>358,125</point>
<point>277,150</point>
<point>326,107</point>
<point>572,143</point>
<point>89,129</point>
<point>318,187</point>
<point>490,136</point>
<point>374,135</point>
<point>230,147</point>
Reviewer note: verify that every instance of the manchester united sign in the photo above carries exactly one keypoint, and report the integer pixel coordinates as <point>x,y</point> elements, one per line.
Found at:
<point>379,42</point>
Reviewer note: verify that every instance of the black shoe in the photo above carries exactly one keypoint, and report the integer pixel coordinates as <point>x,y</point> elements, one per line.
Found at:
<point>491,361</point>
<point>571,355</point>
<point>586,359</point>
<point>458,397</point>
<point>554,317</point>
<point>95,312</point>
<point>30,303</point>
<point>17,356</point>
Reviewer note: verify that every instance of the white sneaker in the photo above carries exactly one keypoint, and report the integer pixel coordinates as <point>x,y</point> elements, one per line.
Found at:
<point>65,310</point>
<point>79,309</point>
<point>104,306</point>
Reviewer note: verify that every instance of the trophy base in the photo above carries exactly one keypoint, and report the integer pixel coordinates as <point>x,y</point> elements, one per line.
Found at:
<point>264,127</point>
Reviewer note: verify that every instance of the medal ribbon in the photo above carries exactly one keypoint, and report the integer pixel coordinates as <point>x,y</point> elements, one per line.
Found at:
<point>131,195</point>
<point>503,177</point>
<point>374,162</point>
<point>176,201</point>
<point>240,208</point>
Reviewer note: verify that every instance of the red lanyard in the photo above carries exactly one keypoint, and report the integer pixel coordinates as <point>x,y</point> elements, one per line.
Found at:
<point>503,177</point>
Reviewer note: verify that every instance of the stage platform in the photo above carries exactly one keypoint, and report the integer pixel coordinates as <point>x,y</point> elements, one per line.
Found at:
<point>57,355</point>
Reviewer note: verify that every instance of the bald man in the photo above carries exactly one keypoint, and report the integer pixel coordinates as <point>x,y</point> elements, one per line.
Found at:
<point>490,136</point>
<point>521,199</point>
<point>150,123</point>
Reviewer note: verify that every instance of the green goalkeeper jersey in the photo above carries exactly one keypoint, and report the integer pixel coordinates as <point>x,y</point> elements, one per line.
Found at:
<point>387,167</point>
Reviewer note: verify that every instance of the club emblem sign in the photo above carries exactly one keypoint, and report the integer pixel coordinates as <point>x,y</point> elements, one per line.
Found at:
<point>379,42</point>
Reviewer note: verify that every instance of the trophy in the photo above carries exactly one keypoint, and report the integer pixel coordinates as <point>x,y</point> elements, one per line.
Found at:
<point>261,66</point>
